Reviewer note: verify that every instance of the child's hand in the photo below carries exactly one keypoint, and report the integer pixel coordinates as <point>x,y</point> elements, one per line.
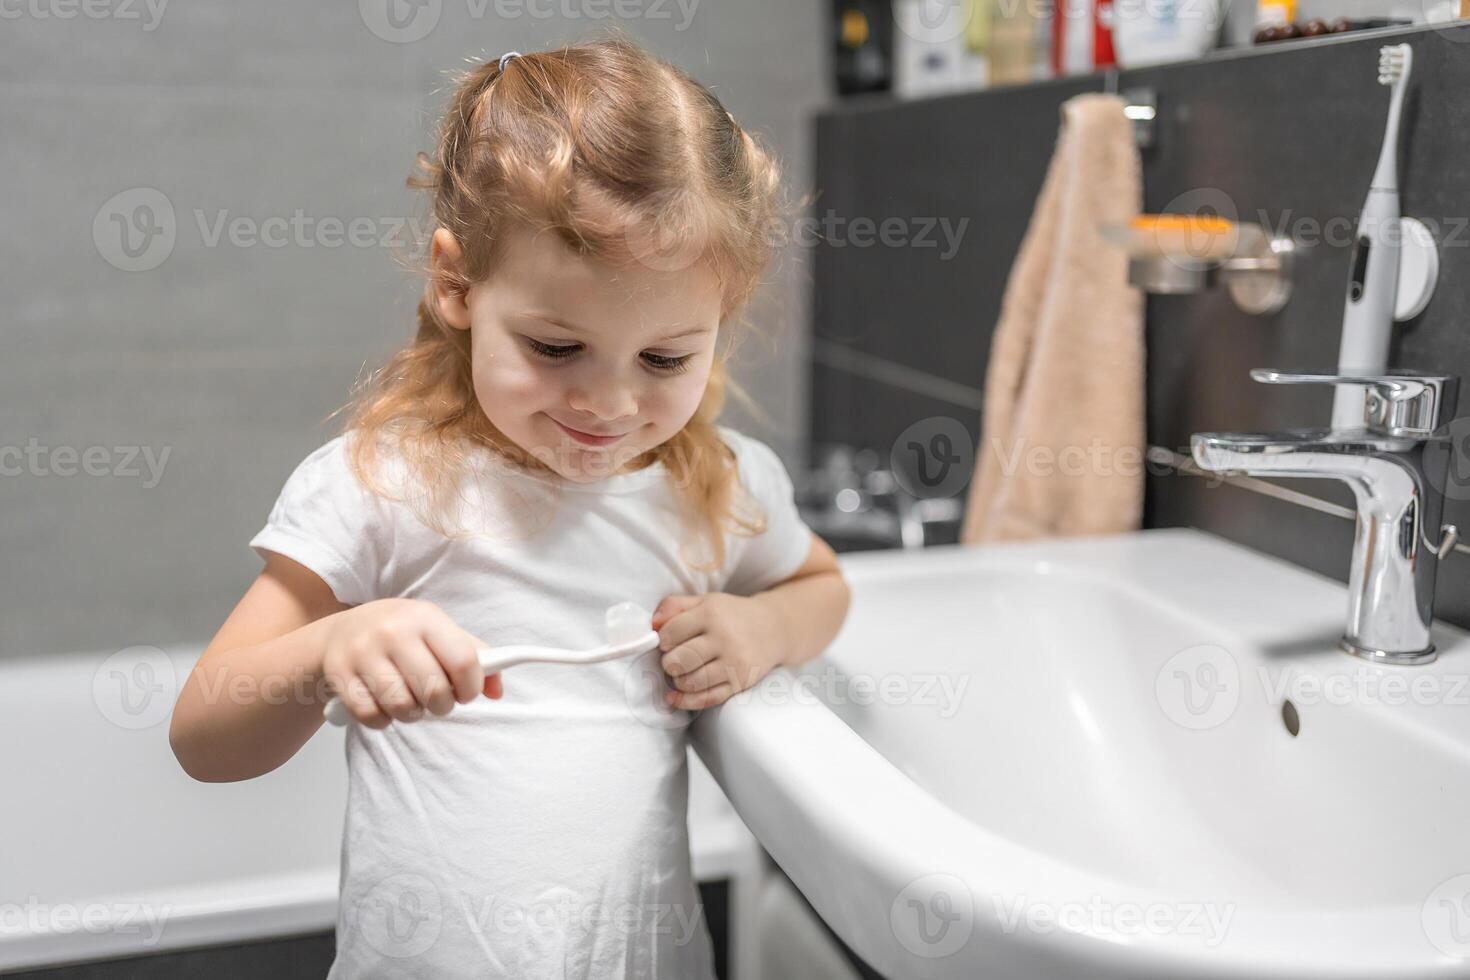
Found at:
<point>715,646</point>
<point>391,659</point>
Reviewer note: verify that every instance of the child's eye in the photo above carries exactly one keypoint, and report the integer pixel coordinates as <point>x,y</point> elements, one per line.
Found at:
<point>552,351</point>
<point>661,362</point>
<point>658,362</point>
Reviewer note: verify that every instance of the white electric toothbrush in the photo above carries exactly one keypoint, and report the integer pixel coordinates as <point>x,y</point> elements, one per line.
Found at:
<point>1367,320</point>
<point>627,632</point>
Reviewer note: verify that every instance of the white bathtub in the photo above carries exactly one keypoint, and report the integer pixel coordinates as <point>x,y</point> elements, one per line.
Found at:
<point>107,848</point>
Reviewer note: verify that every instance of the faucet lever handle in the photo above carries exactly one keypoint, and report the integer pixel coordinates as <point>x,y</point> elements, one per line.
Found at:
<point>1398,403</point>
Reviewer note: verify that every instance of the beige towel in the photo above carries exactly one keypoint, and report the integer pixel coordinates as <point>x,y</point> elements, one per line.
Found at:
<point>1061,448</point>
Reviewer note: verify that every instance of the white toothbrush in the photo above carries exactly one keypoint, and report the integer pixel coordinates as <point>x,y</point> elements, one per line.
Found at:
<point>627,631</point>
<point>1367,321</point>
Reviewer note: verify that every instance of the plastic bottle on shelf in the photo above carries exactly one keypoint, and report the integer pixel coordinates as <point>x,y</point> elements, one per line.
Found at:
<point>1150,32</point>
<point>932,53</point>
<point>1081,36</point>
<point>1019,42</point>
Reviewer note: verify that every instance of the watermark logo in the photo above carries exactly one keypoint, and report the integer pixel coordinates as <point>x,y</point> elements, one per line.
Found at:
<point>1210,14</point>
<point>933,21</point>
<point>136,688</point>
<point>1448,460</point>
<point>944,235</point>
<point>662,247</point>
<point>1365,684</point>
<point>1446,916</point>
<point>933,916</point>
<point>1205,921</point>
<point>558,915</point>
<point>119,462</point>
<point>1202,240</point>
<point>1445,18</point>
<point>400,21</point>
<point>644,687</point>
<point>665,247</point>
<point>1199,687</point>
<point>1097,458</point>
<point>934,457</point>
<point>943,692</point>
<point>135,229</point>
<point>149,13</point>
<point>406,21</point>
<point>401,916</point>
<point>33,917</point>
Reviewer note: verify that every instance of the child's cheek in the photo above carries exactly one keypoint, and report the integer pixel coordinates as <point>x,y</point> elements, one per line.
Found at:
<point>504,367</point>
<point>679,397</point>
<point>507,388</point>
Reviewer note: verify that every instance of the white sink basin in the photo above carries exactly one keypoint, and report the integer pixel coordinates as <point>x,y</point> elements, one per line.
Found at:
<point>1070,759</point>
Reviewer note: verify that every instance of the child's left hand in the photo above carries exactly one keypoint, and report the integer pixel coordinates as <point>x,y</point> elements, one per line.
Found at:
<point>715,646</point>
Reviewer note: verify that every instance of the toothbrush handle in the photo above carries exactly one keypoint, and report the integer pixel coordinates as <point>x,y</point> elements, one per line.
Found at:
<point>1367,319</point>
<point>496,659</point>
<point>492,661</point>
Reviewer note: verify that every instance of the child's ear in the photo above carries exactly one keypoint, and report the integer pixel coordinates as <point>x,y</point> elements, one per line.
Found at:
<point>449,297</point>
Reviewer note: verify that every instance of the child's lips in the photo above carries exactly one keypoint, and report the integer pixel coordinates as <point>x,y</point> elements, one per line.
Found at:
<point>587,438</point>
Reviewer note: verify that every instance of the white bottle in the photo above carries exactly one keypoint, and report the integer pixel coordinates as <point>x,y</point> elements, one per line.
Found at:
<point>931,53</point>
<point>1150,32</point>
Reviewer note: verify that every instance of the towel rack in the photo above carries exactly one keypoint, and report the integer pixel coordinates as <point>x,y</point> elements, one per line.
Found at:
<point>1142,108</point>
<point>1140,105</point>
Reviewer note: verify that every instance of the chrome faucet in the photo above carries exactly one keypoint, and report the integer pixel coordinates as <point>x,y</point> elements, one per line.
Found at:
<point>842,497</point>
<point>1396,465</point>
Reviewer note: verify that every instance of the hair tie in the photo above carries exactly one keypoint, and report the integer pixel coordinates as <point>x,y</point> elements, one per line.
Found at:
<point>505,58</point>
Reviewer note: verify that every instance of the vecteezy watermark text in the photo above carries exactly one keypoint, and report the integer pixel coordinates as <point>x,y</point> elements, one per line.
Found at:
<point>407,21</point>
<point>1206,921</point>
<point>88,9</point>
<point>121,462</point>
<point>34,917</point>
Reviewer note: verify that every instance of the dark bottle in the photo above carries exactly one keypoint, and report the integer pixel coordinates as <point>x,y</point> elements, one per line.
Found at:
<point>863,45</point>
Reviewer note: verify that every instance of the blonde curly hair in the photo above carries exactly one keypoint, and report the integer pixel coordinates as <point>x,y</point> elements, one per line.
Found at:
<point>611,149</point>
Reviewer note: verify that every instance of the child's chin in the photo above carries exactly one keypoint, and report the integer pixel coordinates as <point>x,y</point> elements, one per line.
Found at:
<point>577,463</point>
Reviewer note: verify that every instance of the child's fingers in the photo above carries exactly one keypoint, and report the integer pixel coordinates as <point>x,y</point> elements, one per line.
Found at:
<point>358,696</point>
<point>686,658</point>
<point>403,698</point>
<point>492,687</point>
<point>423,673</point>
<point>707,675</point>
<point>382,681</point>
<point>681,628</point>
<point>458,653</point>
<point>697,700</point>
<point>672,606</point>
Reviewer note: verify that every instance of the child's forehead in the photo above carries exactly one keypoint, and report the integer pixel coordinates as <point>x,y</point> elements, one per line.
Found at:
<point>546,279</point>
<point>546,255</point>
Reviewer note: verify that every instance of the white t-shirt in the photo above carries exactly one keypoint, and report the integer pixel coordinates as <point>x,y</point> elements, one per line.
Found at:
<point>542,835</point>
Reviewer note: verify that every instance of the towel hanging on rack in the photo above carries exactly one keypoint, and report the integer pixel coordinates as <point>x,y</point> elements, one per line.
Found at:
<point>1062,435</point>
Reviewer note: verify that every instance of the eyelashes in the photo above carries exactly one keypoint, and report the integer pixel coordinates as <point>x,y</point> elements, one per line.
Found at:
<point>669,365</point>
<point>656,362</point>
<point>551,351</point>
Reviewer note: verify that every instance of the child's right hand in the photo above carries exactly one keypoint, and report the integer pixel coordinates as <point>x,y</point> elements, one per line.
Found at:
<point>392,659</point>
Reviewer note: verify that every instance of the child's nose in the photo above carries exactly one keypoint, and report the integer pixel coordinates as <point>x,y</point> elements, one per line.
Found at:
<point>607,404</point>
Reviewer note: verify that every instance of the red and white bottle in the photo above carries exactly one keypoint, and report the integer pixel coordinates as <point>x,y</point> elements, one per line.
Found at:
<point>1081,36</point>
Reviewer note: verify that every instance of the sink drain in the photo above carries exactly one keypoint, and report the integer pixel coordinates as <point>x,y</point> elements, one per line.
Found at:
<point>1290,718</point>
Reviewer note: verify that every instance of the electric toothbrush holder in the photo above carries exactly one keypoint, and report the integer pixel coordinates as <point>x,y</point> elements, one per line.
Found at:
<point>1177,254</point>
<point>1418,269</point>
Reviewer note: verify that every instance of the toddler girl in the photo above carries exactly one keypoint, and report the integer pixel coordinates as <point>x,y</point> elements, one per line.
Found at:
<point>546,447</point>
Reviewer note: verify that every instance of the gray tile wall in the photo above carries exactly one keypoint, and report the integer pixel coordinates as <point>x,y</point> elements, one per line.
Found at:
<point>228,358</point>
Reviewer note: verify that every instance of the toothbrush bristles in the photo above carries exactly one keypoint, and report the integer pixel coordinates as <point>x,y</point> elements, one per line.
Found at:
<point>1392,60</point>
